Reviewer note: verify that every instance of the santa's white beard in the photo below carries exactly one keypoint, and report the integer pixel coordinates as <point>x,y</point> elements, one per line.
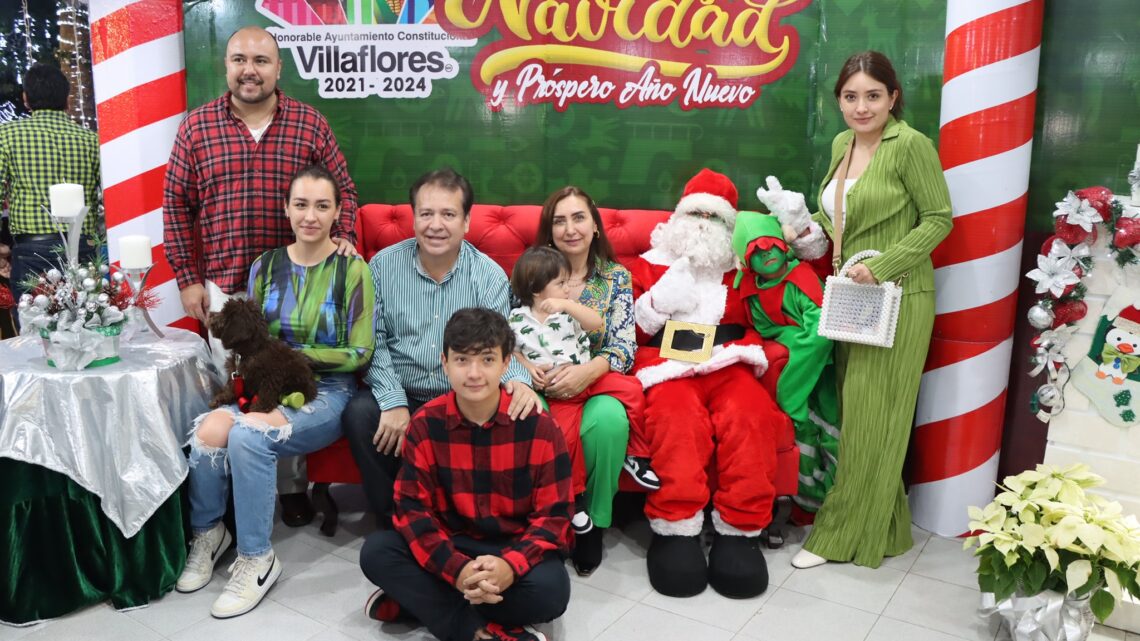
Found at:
<point>707,242</point>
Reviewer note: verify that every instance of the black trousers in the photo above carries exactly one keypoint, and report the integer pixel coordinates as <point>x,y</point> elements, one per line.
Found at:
<point>378,471</point>
<point>539,596</point>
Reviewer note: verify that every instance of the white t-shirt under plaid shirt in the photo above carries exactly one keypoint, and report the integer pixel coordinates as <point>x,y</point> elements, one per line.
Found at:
<point>558,341</point>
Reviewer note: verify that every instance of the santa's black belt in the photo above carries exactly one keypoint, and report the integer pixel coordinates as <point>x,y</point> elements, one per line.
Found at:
<point>689,340</point>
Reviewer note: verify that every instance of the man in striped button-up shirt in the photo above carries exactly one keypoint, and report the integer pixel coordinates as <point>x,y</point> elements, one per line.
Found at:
<point>420,283</point>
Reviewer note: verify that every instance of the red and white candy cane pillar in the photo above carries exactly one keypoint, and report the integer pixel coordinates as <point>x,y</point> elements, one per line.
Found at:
<point>988,96</point>
<point>140,97</point>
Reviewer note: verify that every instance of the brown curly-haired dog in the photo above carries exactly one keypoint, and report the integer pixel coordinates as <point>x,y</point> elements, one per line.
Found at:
<point>267,366</point>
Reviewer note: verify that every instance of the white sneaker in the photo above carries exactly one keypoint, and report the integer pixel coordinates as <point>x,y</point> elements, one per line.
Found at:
<point>205,550</point>
<point>804,560</point>
<point>250,580</point>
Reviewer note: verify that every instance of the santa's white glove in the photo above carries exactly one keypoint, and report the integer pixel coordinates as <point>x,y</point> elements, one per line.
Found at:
<point>788,206</point>
<point>676,290</point>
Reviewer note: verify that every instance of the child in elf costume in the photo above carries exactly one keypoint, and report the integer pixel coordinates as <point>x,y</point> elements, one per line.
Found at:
<point>782,297</point>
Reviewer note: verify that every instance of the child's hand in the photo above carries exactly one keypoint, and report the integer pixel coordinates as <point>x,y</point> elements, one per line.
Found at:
<point>538,373</point>
<point>552,305</point>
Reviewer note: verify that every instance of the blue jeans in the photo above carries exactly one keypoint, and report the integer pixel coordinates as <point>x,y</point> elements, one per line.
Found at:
<point>249,462</point>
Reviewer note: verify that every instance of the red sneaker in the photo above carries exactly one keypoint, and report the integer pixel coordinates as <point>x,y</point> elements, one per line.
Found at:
<point>525,633</point>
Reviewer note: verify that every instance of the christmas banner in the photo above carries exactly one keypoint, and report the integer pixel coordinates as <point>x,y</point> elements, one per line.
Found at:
<point>544,93</point>
<point>625,98</point>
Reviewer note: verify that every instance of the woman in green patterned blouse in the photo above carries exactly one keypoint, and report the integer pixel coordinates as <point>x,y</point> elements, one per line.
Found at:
<point>322,304</point>
<point>570,223</point>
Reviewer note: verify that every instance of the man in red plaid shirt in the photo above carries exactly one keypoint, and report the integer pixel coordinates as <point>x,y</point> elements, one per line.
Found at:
<point>482,504</point>
<point>224,196</point>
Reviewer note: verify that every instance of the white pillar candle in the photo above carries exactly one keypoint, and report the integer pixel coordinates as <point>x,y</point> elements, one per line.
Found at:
<point>1137,156</point>
<point>66,200</point>
<point>134,252</point>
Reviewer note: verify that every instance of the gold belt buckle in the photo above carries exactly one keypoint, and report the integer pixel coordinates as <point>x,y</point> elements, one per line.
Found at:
<point>706,332</point>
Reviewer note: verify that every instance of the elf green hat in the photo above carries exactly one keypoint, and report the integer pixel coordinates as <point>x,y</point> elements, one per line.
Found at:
<point>751,225</point>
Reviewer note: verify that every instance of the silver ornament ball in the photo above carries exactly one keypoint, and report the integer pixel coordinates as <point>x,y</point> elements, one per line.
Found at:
<point>53,275</point>
<point>104,269</point>
<point>1048,395</point>
<point>103,299</point>
<point>89,284</point>
<point>41,301</point>
<point>1040,317</point>
<point>91,306</point>
<point>117,277</point>
<point>83,273</point>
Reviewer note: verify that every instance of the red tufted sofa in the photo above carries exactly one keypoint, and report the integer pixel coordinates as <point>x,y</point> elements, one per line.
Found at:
<point>503,232</point>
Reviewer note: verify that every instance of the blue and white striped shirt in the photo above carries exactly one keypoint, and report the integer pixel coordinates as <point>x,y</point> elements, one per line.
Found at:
<point>411,311</point>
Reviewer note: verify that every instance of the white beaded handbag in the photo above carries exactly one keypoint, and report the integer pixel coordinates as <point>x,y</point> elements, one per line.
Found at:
<point>859,313</point>
<point>856,312</point>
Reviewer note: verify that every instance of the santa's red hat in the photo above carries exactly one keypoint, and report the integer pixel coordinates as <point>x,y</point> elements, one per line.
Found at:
<point>711,193</point>
<point>1128,320</point>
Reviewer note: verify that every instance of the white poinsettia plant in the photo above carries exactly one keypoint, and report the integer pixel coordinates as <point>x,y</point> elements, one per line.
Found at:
<point>1045,532</point>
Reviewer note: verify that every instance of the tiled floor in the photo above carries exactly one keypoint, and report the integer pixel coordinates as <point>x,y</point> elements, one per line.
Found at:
<point>929,594</point>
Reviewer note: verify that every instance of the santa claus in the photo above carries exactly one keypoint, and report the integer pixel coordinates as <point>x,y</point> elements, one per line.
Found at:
<point>707,414</point>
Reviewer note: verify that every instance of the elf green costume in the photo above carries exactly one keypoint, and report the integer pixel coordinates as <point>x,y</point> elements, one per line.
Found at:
<point>782,297</point>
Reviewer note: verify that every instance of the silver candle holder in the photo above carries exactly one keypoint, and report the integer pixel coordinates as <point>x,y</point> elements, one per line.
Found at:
<point>71,233</point>
<point>136,276</point>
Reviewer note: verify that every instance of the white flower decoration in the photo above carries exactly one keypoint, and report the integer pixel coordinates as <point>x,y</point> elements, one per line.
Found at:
<point>1059,336</point>
<point>1077,211</point>
<point>1053,275</point>
<point>1051,356</point>
<point>1062,251</point>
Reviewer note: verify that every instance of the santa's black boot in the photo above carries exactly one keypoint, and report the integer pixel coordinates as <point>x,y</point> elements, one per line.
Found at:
<point>677,565</point>
<point>737,568</point>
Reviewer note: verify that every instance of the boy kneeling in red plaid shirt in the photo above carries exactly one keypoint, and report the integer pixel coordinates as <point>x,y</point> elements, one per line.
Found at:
<point>483,504</point>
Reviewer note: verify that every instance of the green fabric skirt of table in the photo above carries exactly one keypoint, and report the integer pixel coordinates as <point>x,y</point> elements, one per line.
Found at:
<point>59,553</point>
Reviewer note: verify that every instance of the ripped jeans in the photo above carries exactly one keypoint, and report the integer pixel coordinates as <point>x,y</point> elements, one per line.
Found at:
<point>249,462</point>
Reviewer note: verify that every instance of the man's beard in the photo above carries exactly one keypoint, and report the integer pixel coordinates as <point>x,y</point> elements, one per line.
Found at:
<point>706,242</point>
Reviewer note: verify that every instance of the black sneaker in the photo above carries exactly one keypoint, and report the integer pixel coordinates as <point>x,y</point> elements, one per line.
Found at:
<point>525,633</point>
<point>587,553</point>
<point>641,471</point>
<point>381,607</point>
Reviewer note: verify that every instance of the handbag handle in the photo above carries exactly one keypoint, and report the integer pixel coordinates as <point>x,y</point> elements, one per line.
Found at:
<point>857,258</point>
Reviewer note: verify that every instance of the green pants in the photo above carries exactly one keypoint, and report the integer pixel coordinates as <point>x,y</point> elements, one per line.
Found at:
<point>865,515</point>
<point>605,433</point>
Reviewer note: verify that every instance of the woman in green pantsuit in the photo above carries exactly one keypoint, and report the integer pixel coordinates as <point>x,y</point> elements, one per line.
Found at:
<point>570,222</point>
<point>896,202</point>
